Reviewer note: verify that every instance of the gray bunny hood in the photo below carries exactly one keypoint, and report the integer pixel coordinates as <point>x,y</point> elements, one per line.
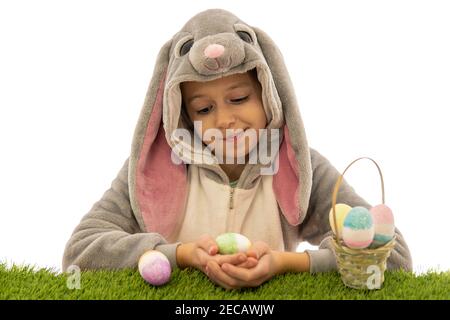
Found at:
<point>158,176</point>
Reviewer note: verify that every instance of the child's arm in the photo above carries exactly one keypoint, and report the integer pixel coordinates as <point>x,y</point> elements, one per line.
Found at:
<point>293,261</point>
<point>316,228</point>
<point>108,236</point>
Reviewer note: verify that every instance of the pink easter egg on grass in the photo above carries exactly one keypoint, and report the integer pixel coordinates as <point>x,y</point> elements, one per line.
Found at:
<point>154,268</point>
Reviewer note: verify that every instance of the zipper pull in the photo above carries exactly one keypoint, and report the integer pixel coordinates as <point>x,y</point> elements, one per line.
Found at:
<point>231,197</point>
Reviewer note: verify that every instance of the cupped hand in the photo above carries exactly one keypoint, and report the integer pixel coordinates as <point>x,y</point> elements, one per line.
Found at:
<point>205,250</point>
<point>232,276</point>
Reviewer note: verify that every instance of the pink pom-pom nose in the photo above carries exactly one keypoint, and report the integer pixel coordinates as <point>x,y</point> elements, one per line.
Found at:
<point>214,51</point>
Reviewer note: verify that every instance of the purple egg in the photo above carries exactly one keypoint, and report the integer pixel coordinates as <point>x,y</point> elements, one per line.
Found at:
<point>154,268</point>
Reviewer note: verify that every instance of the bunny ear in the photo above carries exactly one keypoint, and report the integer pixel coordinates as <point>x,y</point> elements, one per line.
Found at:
<point>292,183</point>
<point>151,165</point>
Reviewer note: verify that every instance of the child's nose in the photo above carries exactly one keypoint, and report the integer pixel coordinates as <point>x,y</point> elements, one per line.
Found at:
<point>214,51</point>
<point>225,118</point>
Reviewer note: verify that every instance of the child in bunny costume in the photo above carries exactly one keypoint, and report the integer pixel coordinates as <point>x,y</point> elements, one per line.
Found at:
<point>175,195</point>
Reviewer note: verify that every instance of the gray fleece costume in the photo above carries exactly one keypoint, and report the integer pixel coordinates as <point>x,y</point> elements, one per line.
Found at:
<point>145,205</point>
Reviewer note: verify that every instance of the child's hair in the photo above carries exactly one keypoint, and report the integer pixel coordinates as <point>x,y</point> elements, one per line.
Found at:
<point>184,115</point>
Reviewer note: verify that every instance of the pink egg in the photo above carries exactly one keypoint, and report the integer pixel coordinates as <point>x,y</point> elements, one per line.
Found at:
<point>382,214</point>
<point>384,226</point>
<point>155,268</point>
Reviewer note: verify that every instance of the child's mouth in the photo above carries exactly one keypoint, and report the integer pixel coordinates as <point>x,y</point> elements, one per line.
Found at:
<point>234,137</point>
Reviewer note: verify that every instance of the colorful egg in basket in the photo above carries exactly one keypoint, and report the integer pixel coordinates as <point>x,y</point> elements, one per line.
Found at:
<point>364,241</point>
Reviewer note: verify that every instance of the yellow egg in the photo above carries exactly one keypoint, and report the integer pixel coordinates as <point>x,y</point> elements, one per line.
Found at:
<point>342,210</point>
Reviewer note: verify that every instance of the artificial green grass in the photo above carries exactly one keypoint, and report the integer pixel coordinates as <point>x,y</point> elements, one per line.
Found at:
<point>25,282</point>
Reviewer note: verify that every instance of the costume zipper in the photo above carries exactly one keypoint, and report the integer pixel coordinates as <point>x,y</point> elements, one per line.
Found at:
<point>231,197</point>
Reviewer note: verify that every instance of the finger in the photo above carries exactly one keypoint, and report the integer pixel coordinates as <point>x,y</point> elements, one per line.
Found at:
<point>218,282</point>
<point>211,275</point>
<point>253,276</point>
<point>207,243</point>
<point>250,263</point>
<point>241,274</point>
<point>216,273</point>
<point>258,249</point>
<point>230,258</point>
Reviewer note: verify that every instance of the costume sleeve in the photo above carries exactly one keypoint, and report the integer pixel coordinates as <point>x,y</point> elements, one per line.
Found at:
<point>109,237</point>
<point>316,229</point>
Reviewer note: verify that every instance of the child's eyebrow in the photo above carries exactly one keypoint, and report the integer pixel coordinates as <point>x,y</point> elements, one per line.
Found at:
<point>233,86</point>
<point>238,85</point>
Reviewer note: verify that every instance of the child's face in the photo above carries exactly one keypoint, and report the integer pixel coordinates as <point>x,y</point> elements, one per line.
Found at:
<point>233,102</point>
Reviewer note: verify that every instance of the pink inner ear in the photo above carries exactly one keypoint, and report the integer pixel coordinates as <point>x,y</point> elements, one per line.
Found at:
<point>161,185</point>
<point>286,182</point>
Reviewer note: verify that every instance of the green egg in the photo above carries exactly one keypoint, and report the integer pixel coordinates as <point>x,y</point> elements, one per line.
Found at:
<point>230,243</point>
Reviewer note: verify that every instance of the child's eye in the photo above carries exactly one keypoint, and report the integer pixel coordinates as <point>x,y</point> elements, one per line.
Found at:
<point>239,99</point>
<point>204,110</point>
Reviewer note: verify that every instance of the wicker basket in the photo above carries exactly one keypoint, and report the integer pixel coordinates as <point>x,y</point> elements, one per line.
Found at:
<point>360,268</point>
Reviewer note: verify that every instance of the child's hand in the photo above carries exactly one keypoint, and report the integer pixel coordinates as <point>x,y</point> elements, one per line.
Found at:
<point>197,254</point>
<point>231,276</point>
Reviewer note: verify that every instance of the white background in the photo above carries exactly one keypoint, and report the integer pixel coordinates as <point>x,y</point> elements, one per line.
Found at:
<point>372,79</point>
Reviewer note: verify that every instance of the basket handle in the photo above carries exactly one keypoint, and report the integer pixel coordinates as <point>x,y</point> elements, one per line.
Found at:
<point>338,184</point>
